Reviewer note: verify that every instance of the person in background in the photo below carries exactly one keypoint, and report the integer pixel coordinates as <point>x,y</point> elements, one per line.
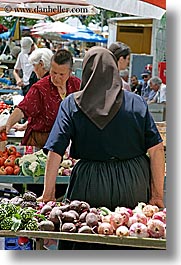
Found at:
<point>122,53</point>
<point>125,76</point>
<point>135,86</point>
<point>22,63</point>
<point>41,103</point>
<point>160,90</point>
<point>4,48</point>
<point>11,43</point>
<point>145,90</point>
<point>15,51</point>
<point>41,60</point>
<point>113,168</point>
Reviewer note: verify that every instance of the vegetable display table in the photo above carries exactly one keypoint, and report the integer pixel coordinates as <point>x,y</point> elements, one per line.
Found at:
<point>39,236</point>
<point>16,137</point>
<point>17,179</point>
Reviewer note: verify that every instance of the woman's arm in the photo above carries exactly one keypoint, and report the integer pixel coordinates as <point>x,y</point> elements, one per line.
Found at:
<point>51,172</point>
<point>157,164</point>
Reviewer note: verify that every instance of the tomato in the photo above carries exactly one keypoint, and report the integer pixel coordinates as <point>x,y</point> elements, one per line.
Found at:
<point>5,155</point>
<point>9,162</point>
<point>12,157</point>
<point>2,159</point>
<point>3,136</point>
<point>16,170</point>
<point>9,170</point>
<point>12,150</point>
<point>2,170</point>
<point>18,154</point>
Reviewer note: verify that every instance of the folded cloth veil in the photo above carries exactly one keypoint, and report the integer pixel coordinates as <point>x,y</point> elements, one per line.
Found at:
<point>101,94</point>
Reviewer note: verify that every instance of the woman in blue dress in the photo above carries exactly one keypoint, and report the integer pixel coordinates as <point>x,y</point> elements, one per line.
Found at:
<point>120,151</point>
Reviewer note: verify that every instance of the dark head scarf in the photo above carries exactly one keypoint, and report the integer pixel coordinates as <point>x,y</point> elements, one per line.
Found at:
<point>100,94</point>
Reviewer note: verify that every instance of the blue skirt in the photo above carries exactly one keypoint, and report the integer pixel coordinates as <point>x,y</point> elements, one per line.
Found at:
<point>111,183</point>
<point>108,183</point>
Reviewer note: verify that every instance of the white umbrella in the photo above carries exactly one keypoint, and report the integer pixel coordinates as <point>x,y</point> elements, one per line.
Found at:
<point>52,30</point>
<point>142,8</point>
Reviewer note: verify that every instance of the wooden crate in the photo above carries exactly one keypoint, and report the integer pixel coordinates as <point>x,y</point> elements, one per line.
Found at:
<point>161,126</point>
<point>147,243</point>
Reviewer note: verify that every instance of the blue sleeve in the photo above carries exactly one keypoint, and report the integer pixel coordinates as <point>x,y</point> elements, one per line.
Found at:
<point>62,130</point>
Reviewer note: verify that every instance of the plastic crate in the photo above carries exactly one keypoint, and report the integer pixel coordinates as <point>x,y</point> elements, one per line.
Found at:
<point>12,244</point>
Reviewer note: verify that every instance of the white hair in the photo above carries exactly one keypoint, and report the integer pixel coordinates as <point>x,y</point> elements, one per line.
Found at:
<point>156,80</point>
<point>124,73</point>
<point>41,54</point>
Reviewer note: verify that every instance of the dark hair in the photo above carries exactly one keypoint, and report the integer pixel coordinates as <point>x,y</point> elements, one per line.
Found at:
<point>120,49</point>
<point>63,56</point>
<point>134,76</point>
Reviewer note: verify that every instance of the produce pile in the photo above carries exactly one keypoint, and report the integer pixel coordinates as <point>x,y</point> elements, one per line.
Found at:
<point>4,106</point>
<point>34,164</point>
<point>8,160</point>
<point>24,213</point>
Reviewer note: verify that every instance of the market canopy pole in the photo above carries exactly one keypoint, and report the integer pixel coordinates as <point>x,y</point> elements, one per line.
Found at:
<point>46,8</point>
<point>143,8</point>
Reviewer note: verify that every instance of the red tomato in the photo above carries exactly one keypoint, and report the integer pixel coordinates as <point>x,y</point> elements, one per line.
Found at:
<point>16,170</point>
<point>12,150</point>
<point>9,170</point>
<point>18,154</point>
<point>3,136</point>
<point>9,162</point>
<point>2,159</point>
<point>12,157</point>
<point>5,155</point>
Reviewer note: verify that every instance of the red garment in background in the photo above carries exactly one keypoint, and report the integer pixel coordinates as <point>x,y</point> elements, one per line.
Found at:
<point>41,103</point>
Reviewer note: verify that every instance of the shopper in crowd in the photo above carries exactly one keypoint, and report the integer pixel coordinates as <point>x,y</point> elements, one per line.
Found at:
<point>41,61</point>
<point>135,86</point>
<point>145,90</point>
<point>4,48</point>
<point>11,43</point>
<point>41,103</point>
<point>28,76</point>
<point>113,168</point>
<point>159,88</point>
<point>15,51</point>
<point>122,53</point>
<point>125,76</point>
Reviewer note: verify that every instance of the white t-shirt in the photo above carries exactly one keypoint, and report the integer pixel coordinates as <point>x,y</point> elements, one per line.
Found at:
<point>27,68</point>
<point>160,96</point>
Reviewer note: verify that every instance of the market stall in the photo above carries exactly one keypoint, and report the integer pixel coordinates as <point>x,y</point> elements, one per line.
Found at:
<point>143,227</point>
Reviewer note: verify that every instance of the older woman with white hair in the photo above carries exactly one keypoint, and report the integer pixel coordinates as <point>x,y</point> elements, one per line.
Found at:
<point>41,61</point>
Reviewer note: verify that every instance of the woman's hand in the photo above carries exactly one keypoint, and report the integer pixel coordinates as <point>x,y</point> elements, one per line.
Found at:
<point>45,199</point>
<point>156,201</point>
